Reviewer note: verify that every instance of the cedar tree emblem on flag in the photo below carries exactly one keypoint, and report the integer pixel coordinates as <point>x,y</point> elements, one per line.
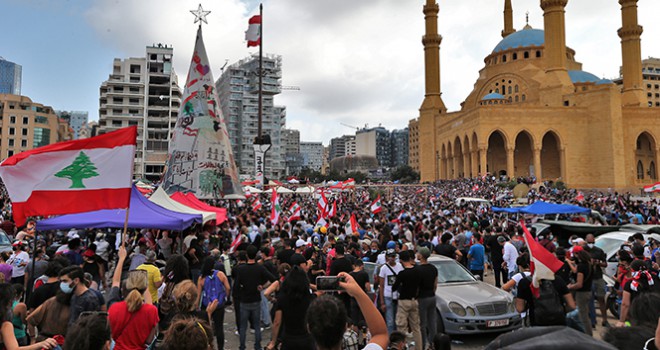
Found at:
<point>81,168</point>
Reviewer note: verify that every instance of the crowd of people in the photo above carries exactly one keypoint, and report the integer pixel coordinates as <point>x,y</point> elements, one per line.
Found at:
<point>304,279</point>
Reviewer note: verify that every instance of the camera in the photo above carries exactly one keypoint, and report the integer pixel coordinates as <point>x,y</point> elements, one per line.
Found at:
<point>329,283</point>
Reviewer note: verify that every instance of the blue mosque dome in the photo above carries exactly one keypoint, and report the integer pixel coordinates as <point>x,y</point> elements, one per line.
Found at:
<point>493,96</point>
<point>579,76</point>
<point>604,82</point>
<point>524,38</point>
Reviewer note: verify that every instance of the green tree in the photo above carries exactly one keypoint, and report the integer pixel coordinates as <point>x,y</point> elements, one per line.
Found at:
<point>81,168</point>
<point>405,174</point>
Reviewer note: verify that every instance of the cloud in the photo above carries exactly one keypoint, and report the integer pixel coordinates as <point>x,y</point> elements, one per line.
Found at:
<point>358,62</point>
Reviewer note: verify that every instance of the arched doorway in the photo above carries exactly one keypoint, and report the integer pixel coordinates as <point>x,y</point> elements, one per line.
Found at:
<point>550,156</point>
<point>458,155</point>
<point>476,156</point>
<point>645,157</point>
<point>496,154</point>
<point>467,158</point>
<point>443,161</point>
<point>450,161</point>
<point>523,155</point>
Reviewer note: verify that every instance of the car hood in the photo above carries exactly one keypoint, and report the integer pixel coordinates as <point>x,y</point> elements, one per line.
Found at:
<point>471,293</point>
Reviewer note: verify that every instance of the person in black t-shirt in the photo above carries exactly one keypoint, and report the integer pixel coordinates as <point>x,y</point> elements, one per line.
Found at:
<point>48,289</point>
<point>429,283</point>
<point>501,275</point>
<point>446,249</point>
<point>525,299</point>
<point>407,283</point>
<point>341,263</point>
<point>582,285</point>
<point>285,254</point>
<point>361,277</point>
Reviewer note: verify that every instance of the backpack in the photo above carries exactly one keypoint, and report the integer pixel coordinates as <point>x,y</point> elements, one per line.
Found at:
<point>213,290</point>
<point>548,308</point>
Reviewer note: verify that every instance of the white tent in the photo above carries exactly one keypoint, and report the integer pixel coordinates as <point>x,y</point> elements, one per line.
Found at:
<point>234,196</point>
<point>305,189</point>
<point>283,189</point>
<point>161,198</point>
<point>251,189</point>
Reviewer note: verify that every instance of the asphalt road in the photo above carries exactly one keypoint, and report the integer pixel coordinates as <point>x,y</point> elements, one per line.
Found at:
<point>471,342</point>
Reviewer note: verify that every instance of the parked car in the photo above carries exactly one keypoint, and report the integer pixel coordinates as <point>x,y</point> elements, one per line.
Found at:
<point>5,243</point>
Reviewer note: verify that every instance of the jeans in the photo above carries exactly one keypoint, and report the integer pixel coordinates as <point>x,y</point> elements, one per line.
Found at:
<point>407,315</point>
<point>218,326</point>
<point>251,311</point>
<point>500,273</point>
<point>390,314</point>
<point>582,301</point>
<point>428,319</point>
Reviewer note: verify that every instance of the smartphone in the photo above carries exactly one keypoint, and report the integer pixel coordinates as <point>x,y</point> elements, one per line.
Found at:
<point>328,283</point>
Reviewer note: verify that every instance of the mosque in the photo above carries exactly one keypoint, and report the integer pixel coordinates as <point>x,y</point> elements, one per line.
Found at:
<point>535,112</point>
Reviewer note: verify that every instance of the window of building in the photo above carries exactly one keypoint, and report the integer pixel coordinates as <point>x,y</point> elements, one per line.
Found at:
<point>12,131</point>
<point>24,132</point>
<point>11,106</point>
<point>119,88</point>
<point>26,120</point>
<point>41,137</point>
<point>504,58</point>
<point>133,112</point>
<point>132,122</point>
<point>526,54</point>
<point>515,56</point>
<point>538,54</point>
<point>10,153</point>
<point>117,100</point>
<point>40,119</point>
<point>135,68</point>
<point>523,97</point>
<point>640,170</point>
<point>517,98</point>
<point>11,143</point>
<point>12,119</point>
<point>134,101</point>
<point>117,111</point>
<point>24,143</point>
<point>116,123</point>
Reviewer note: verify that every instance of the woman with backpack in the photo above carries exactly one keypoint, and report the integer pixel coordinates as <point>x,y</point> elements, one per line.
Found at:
<point>213,285</point>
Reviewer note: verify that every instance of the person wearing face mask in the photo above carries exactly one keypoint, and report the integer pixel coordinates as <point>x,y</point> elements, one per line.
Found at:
<point>82,299</point>
<point>599,287</point>
<point>373,252</point>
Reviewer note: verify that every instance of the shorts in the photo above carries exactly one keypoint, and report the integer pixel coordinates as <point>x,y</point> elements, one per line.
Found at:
<point>599,288</point>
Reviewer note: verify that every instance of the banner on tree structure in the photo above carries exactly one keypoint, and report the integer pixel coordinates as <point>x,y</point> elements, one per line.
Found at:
<point>200,158</point>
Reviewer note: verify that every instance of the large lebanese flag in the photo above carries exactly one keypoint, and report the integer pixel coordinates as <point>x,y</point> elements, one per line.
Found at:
<point>652,188</point>
<point>351,226</point>
<point>543,264</point>
<point>376,206</point>
<point>71,177</point>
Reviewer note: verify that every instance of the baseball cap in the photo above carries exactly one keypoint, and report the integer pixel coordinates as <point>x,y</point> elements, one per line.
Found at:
<point>391,245</point>
<point>424,252</point>
<point>88,253</point>
<point>300,243</point>
<point>501,239</point>
<point>390,252</point>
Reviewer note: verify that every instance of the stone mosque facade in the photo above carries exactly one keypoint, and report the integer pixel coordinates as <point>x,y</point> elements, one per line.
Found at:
<point>534,111</point>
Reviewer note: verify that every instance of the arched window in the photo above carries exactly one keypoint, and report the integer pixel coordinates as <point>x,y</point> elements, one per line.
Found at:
<point>503,90</point>
<point>504,58</point>
<point>516,89</point>
<point>526,55</point>
<point>497,91</point>
<point>523,97</point>
<point>516,99</point>
<point>510,89</point>
<point>510,99</point>
<point>640,170</point>
<point>538,54</point>
<point>515,56</point>
<point>652,170</point>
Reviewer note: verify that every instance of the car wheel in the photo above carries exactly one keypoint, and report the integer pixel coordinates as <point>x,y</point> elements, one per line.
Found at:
<point>440,325</point>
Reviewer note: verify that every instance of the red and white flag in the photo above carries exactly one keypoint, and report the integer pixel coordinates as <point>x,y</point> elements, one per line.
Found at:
<point>237,241</point>
<point>543,264</point>
<point>475,188</point>
<point>71,177</point>
<point>376,206</point>
<point>333,211</point>
<point>275,208</point>
<point>580,196</point>
<point>323,205</point>
<point>652,188</point>
<point>295,211</point>
<point>256,205</point>
<point>351,226</point>
<point>253,34</point>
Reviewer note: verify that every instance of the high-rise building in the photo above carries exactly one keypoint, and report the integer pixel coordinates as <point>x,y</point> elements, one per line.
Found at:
<point>374,142</point>
<point>413,144</point>
<point>11,76</point>
<point>399,144</point>
<point>238,91</point>
<point>76,119</point>
<point>312,154</point>
<point>293,158</point>
<point>144,92</point>
<point>25,125</point>
<point>342,146</point>
<point>650,80</point>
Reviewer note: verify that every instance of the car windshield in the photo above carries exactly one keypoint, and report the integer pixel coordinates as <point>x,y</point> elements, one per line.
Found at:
<point>451,272</point>
<point>608,244</point>
<point>3,239</point>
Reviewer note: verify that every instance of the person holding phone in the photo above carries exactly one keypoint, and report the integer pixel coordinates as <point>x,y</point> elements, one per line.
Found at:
<point>326,318</point>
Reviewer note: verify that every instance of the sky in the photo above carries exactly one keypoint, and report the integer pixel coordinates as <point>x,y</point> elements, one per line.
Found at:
<point>356,62</point>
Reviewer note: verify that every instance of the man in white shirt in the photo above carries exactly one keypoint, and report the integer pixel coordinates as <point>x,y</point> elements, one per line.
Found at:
<point>18,261</point>
<point>389,297</point>
<point>510,254</point>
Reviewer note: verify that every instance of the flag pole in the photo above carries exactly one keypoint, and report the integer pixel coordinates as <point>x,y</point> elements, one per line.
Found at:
<point>128,207</point>
<point>261,63</point>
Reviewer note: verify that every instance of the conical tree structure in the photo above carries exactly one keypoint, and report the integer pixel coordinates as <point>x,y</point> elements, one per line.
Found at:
<point>200,158</point>
<point>81,168</point>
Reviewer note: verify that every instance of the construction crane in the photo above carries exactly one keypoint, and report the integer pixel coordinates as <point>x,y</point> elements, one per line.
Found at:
<point>350,126</point>
<point>289,87</point>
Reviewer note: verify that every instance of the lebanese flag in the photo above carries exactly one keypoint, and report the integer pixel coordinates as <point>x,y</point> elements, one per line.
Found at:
<point>351,226</point>
<point>580,196</point>
<point>253,34</point>
<point>652,188</point>
<point>333,211</point>
<point>275,208</point>
<point>323,205</point>
<point>475,188</point>
<point>420,190</point>
<point>295,211</point>
<point>375,206</point>
<point>237,241</point>
<point>543,264</point>
<point>256,205</point>
<point>321,222</point>
<point>71,177</point>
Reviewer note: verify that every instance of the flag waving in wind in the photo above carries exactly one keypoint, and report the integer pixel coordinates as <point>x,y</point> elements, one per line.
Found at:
<point>71,177</point>
<point>375,206</point>
<point>253,34</point>
<point>351,226</point>
<point>295,211</point>
<point>543,264</point>
<point>275,209</point>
